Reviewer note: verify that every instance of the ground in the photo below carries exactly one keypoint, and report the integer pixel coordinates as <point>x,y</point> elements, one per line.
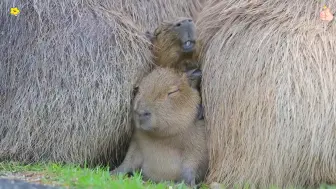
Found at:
<point>53,176</point>
<point>73,176</point>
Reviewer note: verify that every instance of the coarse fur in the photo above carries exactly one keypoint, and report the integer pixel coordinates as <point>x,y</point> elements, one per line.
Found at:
<point>169,143</point>
<point>67,70</point>
<point>269,91</point>
<point>168,42</point>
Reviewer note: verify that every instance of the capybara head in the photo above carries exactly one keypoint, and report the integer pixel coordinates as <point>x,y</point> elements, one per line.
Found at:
<point>181,33</point>
<point>165,102</point>
<point>173,41</point>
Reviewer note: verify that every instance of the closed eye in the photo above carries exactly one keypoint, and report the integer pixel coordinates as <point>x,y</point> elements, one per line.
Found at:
<point>157,32</point>
<point>172,92</point>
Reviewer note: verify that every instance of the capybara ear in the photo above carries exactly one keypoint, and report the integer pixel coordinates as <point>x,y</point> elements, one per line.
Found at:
<point>194,73</point>
<point>150,36</point>
<point>200,112</point>
<point>194,77</point>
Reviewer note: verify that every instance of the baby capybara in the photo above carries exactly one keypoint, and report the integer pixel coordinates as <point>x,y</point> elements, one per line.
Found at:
<point>169,142</point>
<point>175,44</point>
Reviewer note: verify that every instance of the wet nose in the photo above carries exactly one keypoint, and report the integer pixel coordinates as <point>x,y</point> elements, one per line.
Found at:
<point>186,22</point>
<point>144,115</point>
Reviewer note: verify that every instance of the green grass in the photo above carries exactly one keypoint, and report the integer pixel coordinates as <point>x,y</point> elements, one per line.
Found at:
<point>73,176</point>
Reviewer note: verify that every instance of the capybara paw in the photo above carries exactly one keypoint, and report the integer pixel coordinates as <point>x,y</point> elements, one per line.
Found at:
<point>115,172</point>
<point>188,177</point>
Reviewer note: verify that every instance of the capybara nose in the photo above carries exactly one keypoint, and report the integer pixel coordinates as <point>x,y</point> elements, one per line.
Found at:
<point>186,31</point>
<point>144,115</point>
<point>185,22</point>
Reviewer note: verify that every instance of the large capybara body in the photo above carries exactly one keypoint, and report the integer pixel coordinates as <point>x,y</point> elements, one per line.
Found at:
<point>169,142</point>
<point>269,93</point>
<point>67,71</point>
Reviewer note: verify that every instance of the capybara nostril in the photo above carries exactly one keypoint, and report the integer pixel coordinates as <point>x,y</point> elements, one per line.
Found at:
<point>184,23</point>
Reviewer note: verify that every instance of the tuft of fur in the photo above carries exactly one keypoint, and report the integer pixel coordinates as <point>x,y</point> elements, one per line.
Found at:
<point>67,70</point>
<point>169,142</point>
<point>269,93</point>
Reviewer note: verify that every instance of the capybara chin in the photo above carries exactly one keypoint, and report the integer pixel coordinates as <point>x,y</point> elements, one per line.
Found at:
<point>169,142</point>
<point>175,44</point>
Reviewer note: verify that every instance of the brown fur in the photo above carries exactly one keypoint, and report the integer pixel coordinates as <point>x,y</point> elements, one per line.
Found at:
<point>171,143</point>
<point>167,48</point>
<point>67,70</point>
<point>268,87</point>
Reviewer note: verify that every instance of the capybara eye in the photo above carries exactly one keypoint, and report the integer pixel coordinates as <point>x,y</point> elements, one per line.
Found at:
<point>172,92</point>
<point>157,32</point>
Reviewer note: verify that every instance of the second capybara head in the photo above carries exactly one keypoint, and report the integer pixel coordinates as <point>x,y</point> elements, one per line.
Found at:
<point>165,101</point>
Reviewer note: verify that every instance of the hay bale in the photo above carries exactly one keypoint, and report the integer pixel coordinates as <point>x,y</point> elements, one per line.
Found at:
<point>269,90</point>
<point>67,72</point>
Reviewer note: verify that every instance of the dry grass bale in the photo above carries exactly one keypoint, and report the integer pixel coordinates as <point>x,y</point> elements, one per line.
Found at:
<point>67,72</point>
<point>175,44</point>
<point>169,142</point>
<point>269,80</point>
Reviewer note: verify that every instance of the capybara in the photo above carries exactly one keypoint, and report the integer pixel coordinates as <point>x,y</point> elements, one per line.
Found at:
<point>175,44</point>
<point>169,142</point>
<point>67,71</point>
<point>269,92</point>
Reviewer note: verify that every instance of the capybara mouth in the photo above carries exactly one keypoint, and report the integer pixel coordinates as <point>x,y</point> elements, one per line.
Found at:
<point>188,46</point>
